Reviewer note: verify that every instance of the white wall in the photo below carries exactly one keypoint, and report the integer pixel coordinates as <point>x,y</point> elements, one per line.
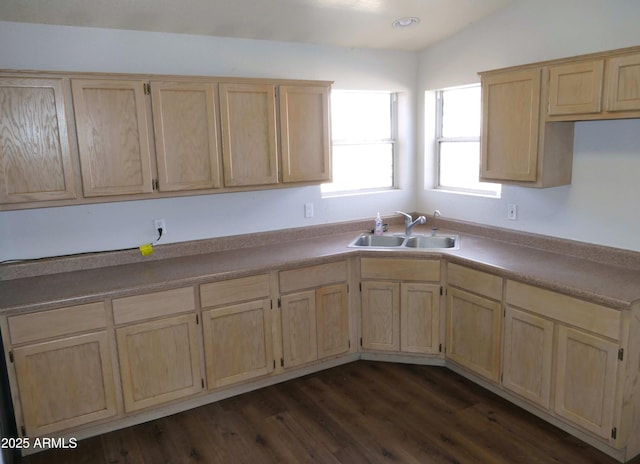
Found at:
<point>600,205</point>
<point>58,231</point>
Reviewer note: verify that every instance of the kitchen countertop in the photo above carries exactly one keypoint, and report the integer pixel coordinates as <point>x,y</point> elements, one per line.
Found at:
<point>617,286</point>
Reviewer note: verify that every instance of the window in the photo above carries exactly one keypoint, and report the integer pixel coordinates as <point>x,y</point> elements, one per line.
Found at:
<point>458,141</point>
<point>363,132</point>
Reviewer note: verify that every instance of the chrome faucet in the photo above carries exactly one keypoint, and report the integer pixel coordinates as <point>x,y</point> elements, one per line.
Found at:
<point>409,222</point>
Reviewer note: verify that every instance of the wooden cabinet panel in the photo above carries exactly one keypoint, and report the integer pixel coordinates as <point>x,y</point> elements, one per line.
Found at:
<point>113,136</point>
<point>528,356</point>
<point>313,276</point>
<point>419,318</point>
<point>186,135</point>
<point>381,316</point>
<point>65,383</point>
<point>586,379</point>
<point>150,305</point>
<point>159,361</point>
<point>474,332</point>
<point>26,328</point>
<point>35,155</point>
<point>299,336</point>
<point>332,311</point>
<point>576,88</point>
<point>237,343</point>
<point>235,290</point>
<point>510,114</point>
<point>623,83</point>
<point>304,132</point>
<point>400,269</point>
<point>249,149</point>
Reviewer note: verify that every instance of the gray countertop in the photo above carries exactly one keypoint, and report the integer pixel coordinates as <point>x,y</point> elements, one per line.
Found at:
<point>612,285</point>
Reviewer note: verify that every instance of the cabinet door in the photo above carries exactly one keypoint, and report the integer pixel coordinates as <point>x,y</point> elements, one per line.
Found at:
<point>35,156</point>
<point>159,361</point>
<point>585,380</point>
<point>304,130</point>
<point>510,122</point>
<point>576,88</point>
<point>186,135</point>
<point>623,83</point>
<point>113,136</point>
<point>381,316</point>
<point>419,318</point>
<point>65,383</point>
<point>237,343</point>
<point>332,307</point>
<point>249,150</point>
<point>527,355</point>
<point>474,332</point>
<point>299,338</point>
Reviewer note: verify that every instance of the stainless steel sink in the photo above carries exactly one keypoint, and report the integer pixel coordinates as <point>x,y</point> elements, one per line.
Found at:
<point>427,241</point>
<point>402,241</point>
<point>378,241</point>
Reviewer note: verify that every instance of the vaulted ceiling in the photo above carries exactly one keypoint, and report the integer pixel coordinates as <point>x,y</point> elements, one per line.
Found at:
<point>347,23</point>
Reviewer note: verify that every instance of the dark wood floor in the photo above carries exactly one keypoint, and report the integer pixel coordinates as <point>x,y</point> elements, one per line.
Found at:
<point>363,412</point>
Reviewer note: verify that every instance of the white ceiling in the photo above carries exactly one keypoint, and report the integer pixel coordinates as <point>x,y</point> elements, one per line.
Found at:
<point>347,23</point>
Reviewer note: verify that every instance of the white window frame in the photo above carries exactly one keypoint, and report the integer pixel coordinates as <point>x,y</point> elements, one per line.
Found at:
<point>493,192</point>
<point>393,108</point>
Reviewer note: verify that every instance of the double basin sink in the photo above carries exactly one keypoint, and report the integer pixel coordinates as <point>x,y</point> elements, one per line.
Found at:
<point>403,241</point>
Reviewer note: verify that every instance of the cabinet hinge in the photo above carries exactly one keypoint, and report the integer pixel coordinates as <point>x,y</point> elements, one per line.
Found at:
<point>202,382</point>
<point>360,286</point>
<point>274,363</point>
<point>11,356</point>
<point>279,303</point>
<point>621,354</point>
<point>349,343</point>
<point>441,290</point>
<point>614,433</point>
<point>197,319</point>
<point>360,341</point>
<point>23,430</point>
<point>147,88</point>
<point>440,348</point>
<point>282,362</point>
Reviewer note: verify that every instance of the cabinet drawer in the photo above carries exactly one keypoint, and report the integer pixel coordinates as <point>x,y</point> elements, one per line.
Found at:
<point>588,316</point>
<point>150,305</point>
<point>64,321</point>
<point>235,290</point>
<point>475,281</point>
<point>400,269</point>
<point>313,276</point>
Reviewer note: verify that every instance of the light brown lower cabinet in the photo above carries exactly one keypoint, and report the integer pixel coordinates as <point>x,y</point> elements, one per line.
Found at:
<point>399,315</point>
<point>237,342</point>
<point>314,313</point>
<point>563,354</point>
<point>54,353</point>
<point>474,320</point>
<point>159,361</point>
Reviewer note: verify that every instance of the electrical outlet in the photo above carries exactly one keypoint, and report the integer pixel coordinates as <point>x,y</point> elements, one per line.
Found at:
<point>160,224</point>
<point>308,210</point>
<point>512,212</point>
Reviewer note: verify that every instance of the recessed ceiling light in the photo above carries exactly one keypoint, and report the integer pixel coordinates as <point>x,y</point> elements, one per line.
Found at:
<point>406,22</point>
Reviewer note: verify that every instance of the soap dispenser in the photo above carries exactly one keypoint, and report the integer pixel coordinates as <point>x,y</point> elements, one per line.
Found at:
<point>378,228</point>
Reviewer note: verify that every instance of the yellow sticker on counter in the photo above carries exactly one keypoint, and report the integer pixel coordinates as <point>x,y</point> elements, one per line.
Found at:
<point>146,249</point>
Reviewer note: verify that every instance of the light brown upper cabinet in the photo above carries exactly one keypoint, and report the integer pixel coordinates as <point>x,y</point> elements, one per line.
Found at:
<point>305,133</point>
<point>623,83</point>
<point>576,88</point>
<point>603,87</point>
<point>249,140</point>
<point>517,146</point>
<point>35,155</point>
<point>186,135</point>
<point>113,136</point>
